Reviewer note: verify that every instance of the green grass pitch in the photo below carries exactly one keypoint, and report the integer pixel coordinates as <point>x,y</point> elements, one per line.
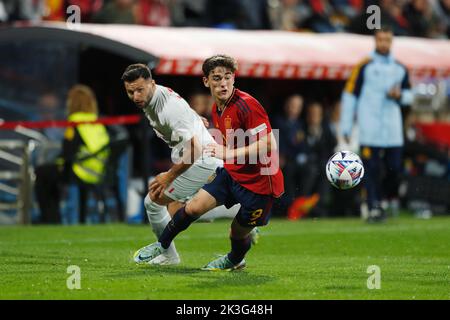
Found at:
<point>307,259</point>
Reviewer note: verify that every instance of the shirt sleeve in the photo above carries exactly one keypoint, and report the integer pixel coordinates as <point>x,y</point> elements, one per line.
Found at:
<point>407,96</point>
<point>350,97</point>
<point>256,120</point>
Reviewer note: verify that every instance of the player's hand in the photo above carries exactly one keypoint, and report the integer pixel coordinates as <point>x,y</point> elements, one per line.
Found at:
<point>395,93</point>
<point>217,151</point>
<point>159,184</point>
<point>205,122</point>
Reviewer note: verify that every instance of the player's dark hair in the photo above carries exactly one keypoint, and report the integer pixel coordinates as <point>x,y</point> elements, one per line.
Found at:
<point>384,28</point>
<point>218,60</point>
<point>136,71</point>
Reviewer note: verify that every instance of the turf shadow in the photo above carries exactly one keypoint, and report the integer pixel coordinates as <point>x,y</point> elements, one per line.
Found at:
<point>145,271</point>
<point>237,279</point>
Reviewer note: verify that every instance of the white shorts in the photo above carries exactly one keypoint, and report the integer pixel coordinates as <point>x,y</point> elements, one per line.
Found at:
<point>189,182</point>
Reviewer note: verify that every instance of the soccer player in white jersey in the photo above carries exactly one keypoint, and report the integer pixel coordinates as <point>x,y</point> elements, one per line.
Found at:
<point>184,131</point>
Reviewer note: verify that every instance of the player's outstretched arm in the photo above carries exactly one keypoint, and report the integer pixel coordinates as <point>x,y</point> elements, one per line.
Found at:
<point>262,146</point>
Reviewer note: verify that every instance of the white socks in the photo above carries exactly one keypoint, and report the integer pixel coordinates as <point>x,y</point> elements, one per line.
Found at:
<point>159,217</point>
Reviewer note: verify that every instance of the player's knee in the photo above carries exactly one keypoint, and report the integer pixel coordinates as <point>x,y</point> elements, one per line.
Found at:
<point>152,198</point>
<point>160,201</point>
<point>194,208</point>
<point>150,205</point>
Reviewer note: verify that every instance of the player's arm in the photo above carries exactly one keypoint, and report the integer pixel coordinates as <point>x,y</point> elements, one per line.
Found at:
<point>257,126</point>
<point>350,98</point>
<point>191,152</point>
<point>262,146</point>
<point>406,94</point>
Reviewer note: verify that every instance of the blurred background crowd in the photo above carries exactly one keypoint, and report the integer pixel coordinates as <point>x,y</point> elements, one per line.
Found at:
<point>417,18</point>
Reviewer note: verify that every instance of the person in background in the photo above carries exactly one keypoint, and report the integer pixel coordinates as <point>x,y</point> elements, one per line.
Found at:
<point>117,11</point>
<point>292,146</point>
<point>375,91</point>
<point>201,103</point>
<point>82,160</point>
<point>153,13</point>
<point>319,146</point>
<point>344,202</point>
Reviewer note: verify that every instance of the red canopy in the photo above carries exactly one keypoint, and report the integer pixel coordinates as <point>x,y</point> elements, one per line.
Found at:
<point>271,54</point>
<point>436,132</point>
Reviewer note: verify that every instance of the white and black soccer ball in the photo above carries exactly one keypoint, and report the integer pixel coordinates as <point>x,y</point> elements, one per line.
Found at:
<point>344,170</point>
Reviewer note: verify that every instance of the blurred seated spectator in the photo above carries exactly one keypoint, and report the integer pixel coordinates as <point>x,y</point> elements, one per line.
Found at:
<point>288,15</point>
<point>117,11</point>
<point>83,157</point>
<point>320,21</point>
<point>202,104</point>
<point>87,7</point>
<point>344,202</point>
<point>391,15</point>
<point>224,14</point>
<point>22,10</point>
<point>291,145</point>
<point>50,108</point>
<point>441,9</point>
<point>187,13</point>
<point>427,171</point>
<point>256,15</point>
<point>313,185</point>
<point>55,10</point>
<point>349,8</point>
<point>342,144</point>
<point>421,19</point>
<point>153,13</point>
<point>344,11</point>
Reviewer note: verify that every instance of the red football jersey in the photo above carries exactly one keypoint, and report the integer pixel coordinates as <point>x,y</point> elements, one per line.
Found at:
<point>244,112</point>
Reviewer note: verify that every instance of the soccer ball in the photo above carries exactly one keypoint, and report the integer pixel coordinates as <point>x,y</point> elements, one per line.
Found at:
<point>344,170</point>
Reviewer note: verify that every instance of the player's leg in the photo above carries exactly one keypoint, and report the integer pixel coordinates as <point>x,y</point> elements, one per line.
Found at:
<point>182,219</point>
<point>212,194</point>
<point>371,161</point>
<point>241,242</point>
<point>181,189</point>
<point>220,212</point>
<point>393,164</point>
<point>186,215</point>
<point>174,206</point>
<point>255,211</point>
<point>158,217</point>
<point>217,213</point>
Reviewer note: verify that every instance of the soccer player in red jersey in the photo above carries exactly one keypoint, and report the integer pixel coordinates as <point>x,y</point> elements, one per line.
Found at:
<point>250,175</point>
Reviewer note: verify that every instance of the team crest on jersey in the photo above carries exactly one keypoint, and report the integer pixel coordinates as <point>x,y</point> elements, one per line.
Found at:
<point>228,124</point>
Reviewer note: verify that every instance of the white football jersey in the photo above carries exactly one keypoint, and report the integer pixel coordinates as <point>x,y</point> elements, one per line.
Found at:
<point>174,121</point>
